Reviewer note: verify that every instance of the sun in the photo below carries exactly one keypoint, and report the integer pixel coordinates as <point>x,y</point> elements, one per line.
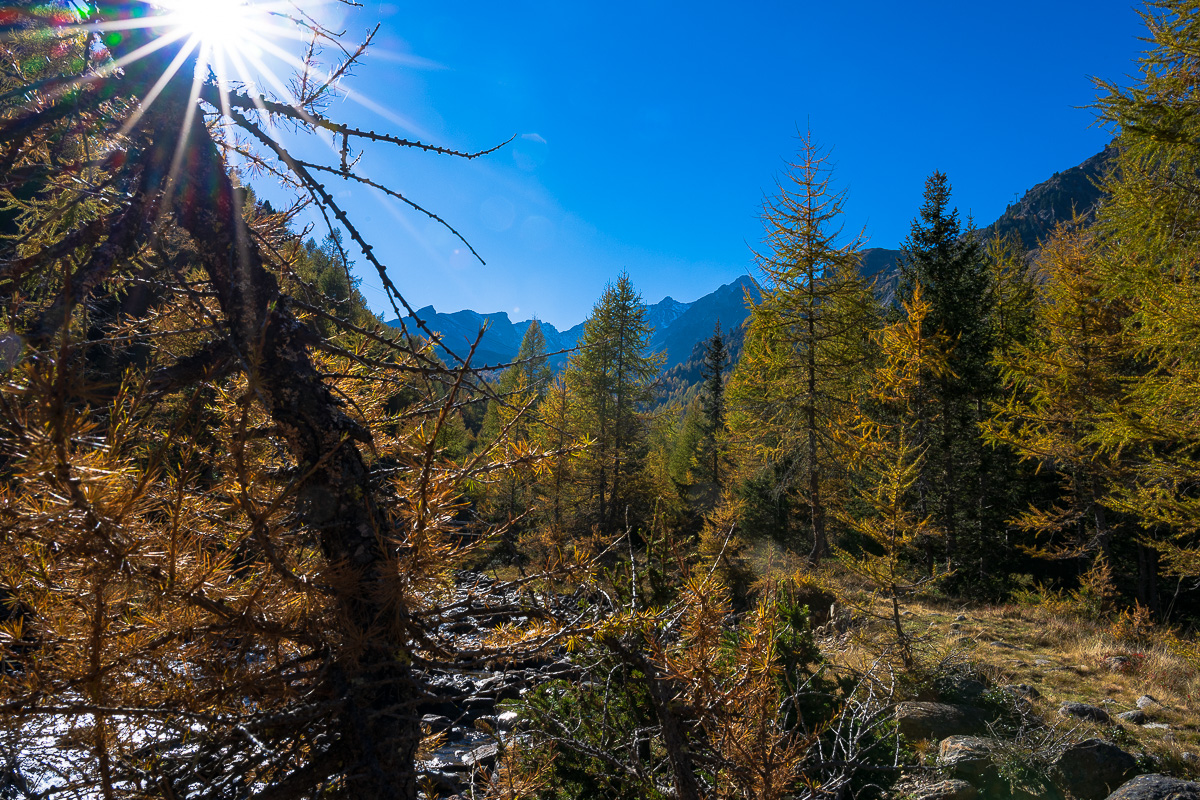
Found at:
<point>213,24</point>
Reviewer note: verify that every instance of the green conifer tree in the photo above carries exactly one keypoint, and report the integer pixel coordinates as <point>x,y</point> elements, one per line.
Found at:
<point>947,262</point>
<point>712,398</point>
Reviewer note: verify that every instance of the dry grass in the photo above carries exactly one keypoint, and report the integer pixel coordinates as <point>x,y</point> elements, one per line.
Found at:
<point>1063,657</point>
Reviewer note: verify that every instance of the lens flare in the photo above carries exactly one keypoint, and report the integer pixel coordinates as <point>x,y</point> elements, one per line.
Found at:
<point>217,24</point>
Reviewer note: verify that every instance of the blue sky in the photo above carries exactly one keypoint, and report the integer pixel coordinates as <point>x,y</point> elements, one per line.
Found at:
<point>647,133</point>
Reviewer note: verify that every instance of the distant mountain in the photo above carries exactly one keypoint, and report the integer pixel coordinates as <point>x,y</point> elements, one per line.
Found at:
<point>677,327</point>
<point>727,305</point>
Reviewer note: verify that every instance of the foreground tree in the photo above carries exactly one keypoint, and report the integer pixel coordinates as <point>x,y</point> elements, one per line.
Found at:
<point>1148,263</point>
<point>888,461</point>
<point>228,538</point>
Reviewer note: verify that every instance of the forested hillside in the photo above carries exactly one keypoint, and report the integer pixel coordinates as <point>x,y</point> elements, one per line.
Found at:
<point>938,541</point>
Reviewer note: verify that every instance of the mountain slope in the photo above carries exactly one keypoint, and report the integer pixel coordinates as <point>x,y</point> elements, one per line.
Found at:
<point>1055,200</point>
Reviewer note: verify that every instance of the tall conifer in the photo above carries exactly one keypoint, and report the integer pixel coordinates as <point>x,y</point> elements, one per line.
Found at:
<point>947,262</point>
<point>805,339</point>
<point>610,377</point>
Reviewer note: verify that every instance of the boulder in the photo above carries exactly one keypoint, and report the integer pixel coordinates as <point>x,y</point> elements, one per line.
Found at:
<point>1146,701</point>
<point>1086,712</point>
<point>1134,717</point>
<point>917,720</point>
<point>946,790</point>
<point>1157,787</point>
<point>968,758</point>
<point>1091,769</point>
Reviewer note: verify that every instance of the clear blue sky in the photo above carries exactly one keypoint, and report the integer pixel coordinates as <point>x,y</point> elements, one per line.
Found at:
<point>648,132</point>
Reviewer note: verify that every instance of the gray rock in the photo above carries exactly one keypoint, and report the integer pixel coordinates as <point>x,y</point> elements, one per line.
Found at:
<point>961,687</point>
<point>443,782</point>
<point>919,721</point>
<point>961,618</point>
<point>1157,787</point>
<point>1091,769</point>
<point>508,720</point>
<point>968,758</point>
<point>1146,701</point>
<point>1084,711</point>
<point>437,723</point>
<point>1135,716</point>
<point>1157,726</point>
<point>481,756</point>
<point>947,790</point>
<point>1023,690</point>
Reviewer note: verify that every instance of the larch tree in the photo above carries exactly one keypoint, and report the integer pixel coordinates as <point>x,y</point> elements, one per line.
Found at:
<point>609,378</point>
<point>228,539</point>
<point>1061,384</point>
<point>1148,262</point>
<point>883,430</point>
<point>805,342</point>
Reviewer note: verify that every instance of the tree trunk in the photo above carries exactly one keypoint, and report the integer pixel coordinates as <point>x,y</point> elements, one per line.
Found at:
<point>377,732</point>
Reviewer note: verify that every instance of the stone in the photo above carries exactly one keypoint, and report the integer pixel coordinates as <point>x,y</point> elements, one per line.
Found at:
<point>1093,768</point>
<point>1156,787</point>
<point>961,618</point>
<point>483,756</point>
<point>1023,690</point>
<point>437,723</point>
<point>963,688</point>
<point>1157,726</point>
<point>1146,701</point>
<point>508,720</point>
<point>920,720</point>
<point>1085,712</point>
<point>968,758</point>
<point>1135,716</point>
<point>443,782</point>
<point>946,790</point>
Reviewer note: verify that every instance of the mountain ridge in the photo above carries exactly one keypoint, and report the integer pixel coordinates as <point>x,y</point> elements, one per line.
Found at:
<point>678,326</point>
<point>674,323</point>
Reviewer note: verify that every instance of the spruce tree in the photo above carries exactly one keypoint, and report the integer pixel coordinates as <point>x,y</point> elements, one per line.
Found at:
<point>948,264</point>
<point>712,398</point>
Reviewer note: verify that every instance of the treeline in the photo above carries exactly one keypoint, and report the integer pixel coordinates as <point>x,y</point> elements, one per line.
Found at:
<point>1031,411</point>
